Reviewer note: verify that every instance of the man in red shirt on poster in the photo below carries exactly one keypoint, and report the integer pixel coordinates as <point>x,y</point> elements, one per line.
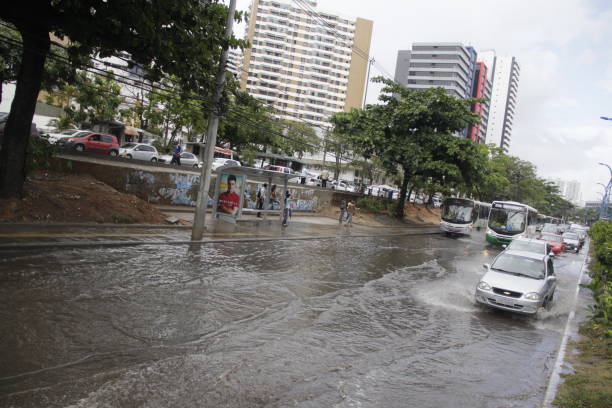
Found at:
<point>229,202</point>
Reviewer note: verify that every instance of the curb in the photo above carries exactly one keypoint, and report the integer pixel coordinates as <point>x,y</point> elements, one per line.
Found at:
<point>38,245</point>
<point>553,382</point>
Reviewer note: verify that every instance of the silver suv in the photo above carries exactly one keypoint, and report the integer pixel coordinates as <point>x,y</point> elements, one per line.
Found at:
<point>518,281</point>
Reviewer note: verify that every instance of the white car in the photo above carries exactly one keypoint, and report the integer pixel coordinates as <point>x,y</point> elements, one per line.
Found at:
<point>187,159</point>
<point>53,138</point>
<point>220,161</point>
<point>139,151</point>
<point>518,281</point>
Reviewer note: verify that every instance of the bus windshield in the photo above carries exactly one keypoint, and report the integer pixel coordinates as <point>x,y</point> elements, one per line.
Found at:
<point>507,221</point>
<point>458,211</point>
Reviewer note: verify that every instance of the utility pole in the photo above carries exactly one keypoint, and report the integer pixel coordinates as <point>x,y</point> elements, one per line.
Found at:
<point>199,220</point>
<point>365,96</point>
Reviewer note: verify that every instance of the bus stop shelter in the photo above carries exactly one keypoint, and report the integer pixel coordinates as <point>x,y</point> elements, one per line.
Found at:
<point>258,175</point>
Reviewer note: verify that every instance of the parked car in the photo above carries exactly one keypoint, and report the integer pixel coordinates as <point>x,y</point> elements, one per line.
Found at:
<point>518,281</point>
<point>536,246</point>
<point>572,241</point>
<point>550,228</point>
<point>187,159</point>
<point>555,241</point>
<point>139,151</point>
<point>342,186</point>
<point>34,133</point>
<point>280,169</point>
<point>93,142</point>
<point>220,161</point>
<point>53,138</point>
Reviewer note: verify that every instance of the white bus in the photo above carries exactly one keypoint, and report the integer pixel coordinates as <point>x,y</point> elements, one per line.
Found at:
<point>462,215</point>
<point>508,220</point>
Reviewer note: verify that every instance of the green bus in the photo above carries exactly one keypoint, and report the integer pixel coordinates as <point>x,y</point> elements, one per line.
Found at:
<point>508,220</point>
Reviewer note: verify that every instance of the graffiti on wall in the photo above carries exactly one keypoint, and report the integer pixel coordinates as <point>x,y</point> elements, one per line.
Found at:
<point>185,190</point>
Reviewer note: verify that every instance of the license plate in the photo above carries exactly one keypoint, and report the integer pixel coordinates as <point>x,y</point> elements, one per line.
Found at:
<point>505,301</point>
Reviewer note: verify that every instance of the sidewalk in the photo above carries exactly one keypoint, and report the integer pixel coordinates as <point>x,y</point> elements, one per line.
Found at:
<point>14,236</point>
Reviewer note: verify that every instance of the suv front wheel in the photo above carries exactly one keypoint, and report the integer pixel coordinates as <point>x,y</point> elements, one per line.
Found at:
<point>79,147</point>
<point>113,153</point>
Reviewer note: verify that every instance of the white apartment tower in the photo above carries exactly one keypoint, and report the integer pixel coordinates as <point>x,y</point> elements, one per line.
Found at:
<point>502,107</point>
<point>306,63</point>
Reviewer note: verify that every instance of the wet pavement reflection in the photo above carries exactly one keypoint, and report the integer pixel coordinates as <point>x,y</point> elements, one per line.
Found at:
<point>366,321</point>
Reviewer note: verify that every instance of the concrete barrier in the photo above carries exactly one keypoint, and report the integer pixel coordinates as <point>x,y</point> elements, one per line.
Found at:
<point>170,185</point>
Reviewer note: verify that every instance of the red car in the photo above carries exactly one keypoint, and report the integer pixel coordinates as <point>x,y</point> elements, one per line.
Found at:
<point>555,241</point>
<point>93,142</point>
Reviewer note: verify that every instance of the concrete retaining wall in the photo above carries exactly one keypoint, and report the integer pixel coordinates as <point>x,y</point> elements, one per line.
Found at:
<point>173,186</point>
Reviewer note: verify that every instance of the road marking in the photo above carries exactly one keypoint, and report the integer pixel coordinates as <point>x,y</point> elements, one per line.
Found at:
<point>553,382</point>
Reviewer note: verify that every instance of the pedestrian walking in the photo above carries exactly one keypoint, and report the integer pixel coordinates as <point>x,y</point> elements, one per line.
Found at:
<point>342,211</point>
<point>287,208</point>
<point>273,197</point>
<point>261,198</point>
<point>176,155</point>
<point>351,210</point>
<point>324,178</point>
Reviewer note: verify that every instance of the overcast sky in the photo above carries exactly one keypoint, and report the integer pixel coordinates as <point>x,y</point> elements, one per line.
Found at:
<point>564,48</point>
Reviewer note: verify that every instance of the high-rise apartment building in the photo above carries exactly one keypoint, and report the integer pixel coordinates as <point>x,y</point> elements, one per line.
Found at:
<point>428,65</point>
<point>307,63</point>
<point>570,190</point>
<point>506,75</point>
<point>481,89</point>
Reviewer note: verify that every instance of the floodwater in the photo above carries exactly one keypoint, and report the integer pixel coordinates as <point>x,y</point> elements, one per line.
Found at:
<point>346,322</point>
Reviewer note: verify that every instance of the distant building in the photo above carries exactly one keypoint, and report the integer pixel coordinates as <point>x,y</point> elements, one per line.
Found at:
<point>570,190</point>
<point>505,76</point>
<point>307,63</point>
<point>429,65</point>
<point>448,65</point>
<point>481,89</point>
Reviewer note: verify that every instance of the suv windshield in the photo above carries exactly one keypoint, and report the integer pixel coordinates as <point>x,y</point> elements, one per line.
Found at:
<point>458,211</point>
<point>506,221</point>
<point>533,268</point>
<point>570,236</point>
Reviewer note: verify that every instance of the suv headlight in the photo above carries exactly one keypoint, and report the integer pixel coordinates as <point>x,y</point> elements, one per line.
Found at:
<point>532,296</point>
<point>482,285</point>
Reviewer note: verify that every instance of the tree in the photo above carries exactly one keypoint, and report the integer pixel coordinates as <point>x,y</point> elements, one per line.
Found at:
<point>249,124</point>
<point>180,37</point>
<point>412,132</point>
<point>299,138</point>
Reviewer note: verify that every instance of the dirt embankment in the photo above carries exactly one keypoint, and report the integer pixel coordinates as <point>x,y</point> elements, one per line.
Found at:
<point>51,197</point>
<point>413,215</point>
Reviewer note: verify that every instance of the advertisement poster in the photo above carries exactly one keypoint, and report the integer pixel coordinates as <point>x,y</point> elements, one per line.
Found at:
<point>229,195</point>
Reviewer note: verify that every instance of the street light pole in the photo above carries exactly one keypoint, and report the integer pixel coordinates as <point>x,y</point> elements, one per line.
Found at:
<point>199,220</point>
<point>603,209</point>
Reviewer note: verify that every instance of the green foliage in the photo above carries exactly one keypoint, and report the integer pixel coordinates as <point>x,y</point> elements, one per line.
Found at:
<point>249,125</point>
<point>300,138</point>
<point>413,131</point>
<point>40,154</point>
<point>161,147</point>
<point>372,204</point>
<point>62,123</point>
<point>601,273</point>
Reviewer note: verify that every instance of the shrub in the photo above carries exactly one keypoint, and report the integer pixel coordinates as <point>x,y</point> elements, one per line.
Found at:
<point>40,154</point>
<point>372,204</point>
<point>601,272</point>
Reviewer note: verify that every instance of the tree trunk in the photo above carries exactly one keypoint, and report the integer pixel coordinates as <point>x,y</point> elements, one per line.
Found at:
<point>399,210</point>
<point>36,45</point>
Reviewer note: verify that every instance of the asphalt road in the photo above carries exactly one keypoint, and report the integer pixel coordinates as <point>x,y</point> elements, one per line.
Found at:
<point>348,321</point>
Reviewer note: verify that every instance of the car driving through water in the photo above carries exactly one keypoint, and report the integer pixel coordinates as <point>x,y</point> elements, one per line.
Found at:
<point>518,281</point>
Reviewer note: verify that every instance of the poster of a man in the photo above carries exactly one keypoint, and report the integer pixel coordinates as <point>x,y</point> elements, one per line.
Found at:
<point>229,199</point>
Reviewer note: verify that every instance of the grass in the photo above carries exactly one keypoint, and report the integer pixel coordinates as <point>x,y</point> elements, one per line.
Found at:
<point>122,219</point>
<point>591,384</point>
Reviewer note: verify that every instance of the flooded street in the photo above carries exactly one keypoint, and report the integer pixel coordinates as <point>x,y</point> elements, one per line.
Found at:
<point>343,322</point>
